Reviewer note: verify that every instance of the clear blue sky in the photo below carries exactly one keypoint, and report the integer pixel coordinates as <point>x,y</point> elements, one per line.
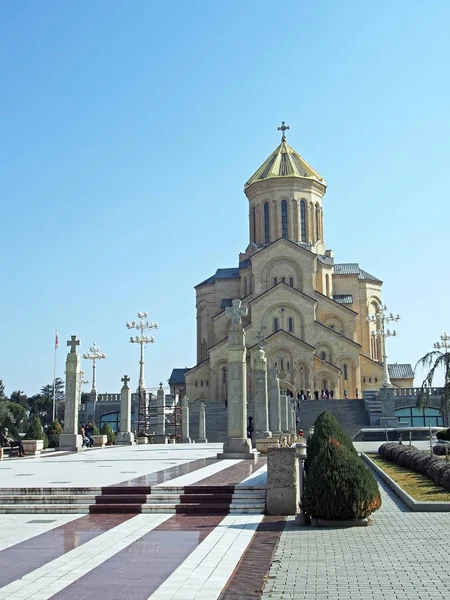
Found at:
<point>129,129</point>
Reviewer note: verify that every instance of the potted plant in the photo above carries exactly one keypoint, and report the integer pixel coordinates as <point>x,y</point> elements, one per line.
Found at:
<point>35,439</point>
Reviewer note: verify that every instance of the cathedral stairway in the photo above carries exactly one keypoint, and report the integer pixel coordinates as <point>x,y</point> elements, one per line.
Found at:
<point>351,414</point>
<point>199,500</point>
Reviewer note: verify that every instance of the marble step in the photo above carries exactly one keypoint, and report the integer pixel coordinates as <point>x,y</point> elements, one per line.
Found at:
<point>35,499</point>
<point>48,491</point>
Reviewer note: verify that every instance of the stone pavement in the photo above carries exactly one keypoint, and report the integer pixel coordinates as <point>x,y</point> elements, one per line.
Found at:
<point>401,556</point>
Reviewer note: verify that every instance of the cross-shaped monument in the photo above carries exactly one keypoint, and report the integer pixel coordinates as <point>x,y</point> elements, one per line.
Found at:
<point>125,379</point>
<point>261,336</point>
<point>125,437</point>
<point>283,128</point>
<point>236,311</point>
<point>73,343</point>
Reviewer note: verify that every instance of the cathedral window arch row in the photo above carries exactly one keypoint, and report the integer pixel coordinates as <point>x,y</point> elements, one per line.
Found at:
<point>375,346</point>
<point>282,269</point>
<point>323,351</point>
<point>324,380</point>
<point>284,316</point>
<point>281,359</point>
<point>301,374</point>
<point>335,323</point>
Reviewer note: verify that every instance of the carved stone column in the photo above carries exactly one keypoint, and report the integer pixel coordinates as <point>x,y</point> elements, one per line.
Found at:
<point>185,421</point>
<point>274,402</point>
<point>202,424</point>
<point>70,439</point>
<point>125,437</point>
<point>261,396</point>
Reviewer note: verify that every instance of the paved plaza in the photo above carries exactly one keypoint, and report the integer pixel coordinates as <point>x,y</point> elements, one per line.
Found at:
<point>401,555</point>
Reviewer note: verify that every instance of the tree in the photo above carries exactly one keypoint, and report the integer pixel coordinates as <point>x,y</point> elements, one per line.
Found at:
<point>6,417</point>
<point>435,361</point>
<point>35,431</point>
<point>18,413</point>
<point>47,390</point>
<point>20,398</point>
<point>85,397</point>
<point>2,391</point>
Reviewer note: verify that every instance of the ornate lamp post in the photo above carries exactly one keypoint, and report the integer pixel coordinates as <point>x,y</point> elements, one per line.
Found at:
<point>82,381</point>
<point>443,344</point>
<point>142,325</point>
<point>94,355</point>
<point>381,318</point>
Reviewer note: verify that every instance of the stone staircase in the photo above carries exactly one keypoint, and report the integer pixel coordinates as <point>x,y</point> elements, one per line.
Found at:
<point>373,407</point>
<point>351,414</point>
<point>199,500</point>
<point>216,420</point>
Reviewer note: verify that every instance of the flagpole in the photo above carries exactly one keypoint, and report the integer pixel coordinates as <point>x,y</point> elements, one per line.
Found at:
<point>54,375</point>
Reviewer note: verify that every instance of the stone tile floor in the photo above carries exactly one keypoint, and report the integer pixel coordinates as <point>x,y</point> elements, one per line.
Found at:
<point>401,556</point>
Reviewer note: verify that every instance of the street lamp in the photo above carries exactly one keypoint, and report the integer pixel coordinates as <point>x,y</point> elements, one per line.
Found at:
<point>81,382</point>
<point>380,319</point>
<point>94,355</point>
<point>142,325</point>
<point>443,344</point>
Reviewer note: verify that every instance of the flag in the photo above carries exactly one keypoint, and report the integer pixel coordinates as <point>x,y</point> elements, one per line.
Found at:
<point>56,340</point>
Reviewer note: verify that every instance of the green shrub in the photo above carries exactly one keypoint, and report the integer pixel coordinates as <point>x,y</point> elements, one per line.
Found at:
<point>437,469</point>
<point>35,431</point>
<point>443,434</point>
<point>95,429</point>
<point>338,485</point>
<point>326,426</point>
<point>106,430</point>
<point>53,432</point>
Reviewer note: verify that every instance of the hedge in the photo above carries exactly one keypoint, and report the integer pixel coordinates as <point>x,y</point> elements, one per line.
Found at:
<point>416,460</point>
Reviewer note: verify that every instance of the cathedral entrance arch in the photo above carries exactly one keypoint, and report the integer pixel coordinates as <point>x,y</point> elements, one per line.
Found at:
<point>287,386</point>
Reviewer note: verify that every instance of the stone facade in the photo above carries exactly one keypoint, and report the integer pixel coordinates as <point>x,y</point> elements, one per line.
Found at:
<point>311,310</point>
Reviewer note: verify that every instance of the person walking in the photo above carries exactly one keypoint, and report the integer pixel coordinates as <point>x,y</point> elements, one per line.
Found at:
<point>345,393</point>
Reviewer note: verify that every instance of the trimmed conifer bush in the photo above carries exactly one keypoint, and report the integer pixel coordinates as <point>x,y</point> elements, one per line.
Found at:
<point>436,470</point>
<point>35,431</point>
<point>441,449</point>
<point>339,486</point>
<point>53,432</point>
<point>326,426</point>
<point>111,436</point>
<point>443,434</point>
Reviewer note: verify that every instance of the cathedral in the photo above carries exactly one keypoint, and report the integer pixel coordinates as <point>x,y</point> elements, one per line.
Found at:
<point>307,310</point>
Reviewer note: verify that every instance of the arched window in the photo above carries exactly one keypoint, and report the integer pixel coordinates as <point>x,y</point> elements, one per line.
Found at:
<point>303,221</point>
<point>317,223</point>
<point>291,281</point>
<point>284,219</point>
<point>224,375</point>
<point>288,366</point>
<point>345,373</point>
<point>275,325</point>
<point>327,285</point>
<point>275,280</point>
<point>283,279</point>
<point>323,355</point>
<point>254,225</point>
<point>266,223</point>
<point>291,324</point>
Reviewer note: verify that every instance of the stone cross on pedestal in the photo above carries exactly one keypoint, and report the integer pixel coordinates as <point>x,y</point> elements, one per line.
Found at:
<point>125,437</point>
<point>237,444</point>
<point>160,437</point>
<point>70,439</point>
<point>236,311</point>
<point>73,343</point>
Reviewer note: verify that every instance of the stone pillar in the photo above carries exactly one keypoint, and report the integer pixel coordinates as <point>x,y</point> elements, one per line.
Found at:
<point>237,444</point>
<point>70,439</point>
<point>387,398</point>
<point>261,397</point>
<point>284,414</point>
<point>202,424</point>
<point>185,421</point>
<point>160,437</point>
<point>274,402</point>
<point>125,437</point>
<point>282,481</point>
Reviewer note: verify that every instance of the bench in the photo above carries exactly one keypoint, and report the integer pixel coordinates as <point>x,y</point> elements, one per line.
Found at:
<point>7,451</point>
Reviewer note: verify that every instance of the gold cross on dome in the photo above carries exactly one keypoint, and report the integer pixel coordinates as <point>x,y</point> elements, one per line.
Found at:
<point>283,128</point>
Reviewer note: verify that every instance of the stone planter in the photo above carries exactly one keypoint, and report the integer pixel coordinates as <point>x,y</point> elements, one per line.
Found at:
<point>142,440</point>
<point>33,447</point>
<point>100,440</point>
<point>172,441</point>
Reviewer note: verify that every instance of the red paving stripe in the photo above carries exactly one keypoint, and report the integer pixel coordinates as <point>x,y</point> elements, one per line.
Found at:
<point>24,557</point>
<point>234,474</point>
<point>137,571</point>
<point>248,579</point>
<point>167,474</point>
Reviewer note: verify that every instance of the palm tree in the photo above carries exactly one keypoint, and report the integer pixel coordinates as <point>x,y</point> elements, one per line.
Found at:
<point>434,361</point>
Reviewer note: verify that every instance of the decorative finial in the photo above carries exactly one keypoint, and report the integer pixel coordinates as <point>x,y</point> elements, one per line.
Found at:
<point>283,128</point>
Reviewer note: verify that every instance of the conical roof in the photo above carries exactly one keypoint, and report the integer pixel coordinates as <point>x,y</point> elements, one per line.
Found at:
<point>285,162</point>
